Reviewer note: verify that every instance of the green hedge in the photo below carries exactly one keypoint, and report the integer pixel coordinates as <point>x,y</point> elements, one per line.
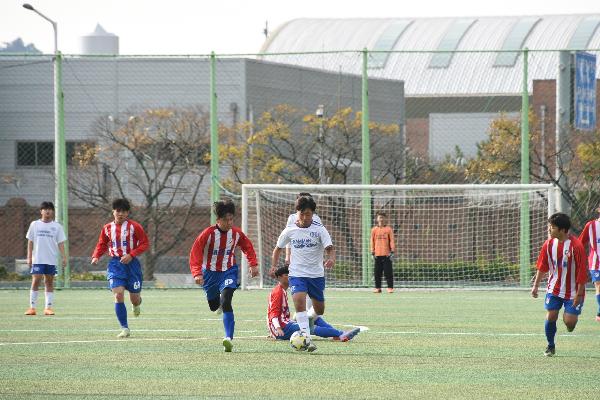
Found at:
<point>481,270</point>
<point>456,271</point>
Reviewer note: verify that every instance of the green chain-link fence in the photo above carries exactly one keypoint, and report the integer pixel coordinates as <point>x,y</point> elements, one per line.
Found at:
<point>140,127</point>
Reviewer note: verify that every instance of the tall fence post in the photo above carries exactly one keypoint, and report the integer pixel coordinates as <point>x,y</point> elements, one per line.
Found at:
<point>525,247</point>
<point>563,119</point>
<point>366,173</point>
<point>214,137</point>
<point>60,169</point>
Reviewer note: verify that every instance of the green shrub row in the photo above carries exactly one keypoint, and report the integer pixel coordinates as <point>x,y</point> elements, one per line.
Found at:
<point>14,277</point>
<point>483,271</point>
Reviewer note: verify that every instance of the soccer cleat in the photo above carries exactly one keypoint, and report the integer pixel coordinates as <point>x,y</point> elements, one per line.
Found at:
<point>228,345</point>
<point>550,351</point>
<point>136,310</point>
<point>30,311</point>
<point>124,333</point>
<point>48,311</point>
<point>376,290</point>
<point>348,335</point>
<point>390,290</point>
<point>311,346</point>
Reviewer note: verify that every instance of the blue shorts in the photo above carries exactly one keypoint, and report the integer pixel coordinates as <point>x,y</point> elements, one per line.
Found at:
<point>555,303</point>
<point>216,281</point>
<point>313,286</point>
<point>595,275</point>
<point>127,275</point>
<point>43,269</point>
<point>288,330</point>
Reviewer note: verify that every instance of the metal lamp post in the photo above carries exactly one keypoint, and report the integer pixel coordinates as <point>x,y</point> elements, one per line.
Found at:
<point>60,160</point>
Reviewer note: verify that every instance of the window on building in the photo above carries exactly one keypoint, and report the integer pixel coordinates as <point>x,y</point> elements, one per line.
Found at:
<point>41,154</point>
<point>515,41</point>
<point>450,42</point>
<point>584,32</point>
<point>386,42</point>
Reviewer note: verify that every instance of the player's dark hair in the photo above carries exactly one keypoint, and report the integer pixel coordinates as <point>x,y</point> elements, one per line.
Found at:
<point>303,194</point>
<point>561,221</point>
<point>223,207</point>
<point>282,271</point>
<point>304,202</point>
<point>121,205</point>
<point>381,213</point>
<point>47,205</point>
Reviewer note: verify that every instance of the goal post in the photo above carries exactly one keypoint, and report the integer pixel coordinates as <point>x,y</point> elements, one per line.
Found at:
<point>445,235</point>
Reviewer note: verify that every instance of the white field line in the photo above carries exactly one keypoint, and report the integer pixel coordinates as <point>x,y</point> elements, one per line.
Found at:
<point>110,330</point>
<point>126,340</point>
<point>112,317</point>
<point>485,334</point>
<point>363,328</point>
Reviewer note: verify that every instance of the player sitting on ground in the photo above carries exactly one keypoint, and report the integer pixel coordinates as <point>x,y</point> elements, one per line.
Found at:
<point>278,315</point>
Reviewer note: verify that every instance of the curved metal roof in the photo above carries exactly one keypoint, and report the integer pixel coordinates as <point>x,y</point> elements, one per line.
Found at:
<point>476,72</point>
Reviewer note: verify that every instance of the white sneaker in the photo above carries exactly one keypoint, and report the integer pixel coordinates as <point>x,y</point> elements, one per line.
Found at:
<point>228,345</point>
<point>136,310</point>
<point>124,333</point>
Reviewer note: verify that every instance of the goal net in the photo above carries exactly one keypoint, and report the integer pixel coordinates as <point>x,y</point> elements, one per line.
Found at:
<point>445,235</point>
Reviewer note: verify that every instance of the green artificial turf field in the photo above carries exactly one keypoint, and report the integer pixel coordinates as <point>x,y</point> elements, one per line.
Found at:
<point>418,344</point>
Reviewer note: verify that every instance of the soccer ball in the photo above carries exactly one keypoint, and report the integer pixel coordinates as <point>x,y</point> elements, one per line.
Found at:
<point>298,341</point>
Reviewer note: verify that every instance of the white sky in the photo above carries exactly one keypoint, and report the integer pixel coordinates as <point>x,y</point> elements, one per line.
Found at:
<point>227,26</point>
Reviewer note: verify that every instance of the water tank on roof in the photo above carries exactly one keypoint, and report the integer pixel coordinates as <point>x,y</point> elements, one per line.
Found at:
<point>100,42</point>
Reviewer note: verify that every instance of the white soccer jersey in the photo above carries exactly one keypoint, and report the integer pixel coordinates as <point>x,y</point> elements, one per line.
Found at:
<point>294,217</point>
<point>45,237</point>
<point>307,246</point>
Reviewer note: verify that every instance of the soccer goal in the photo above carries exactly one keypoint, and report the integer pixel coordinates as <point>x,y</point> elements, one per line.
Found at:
<point>445,235</point>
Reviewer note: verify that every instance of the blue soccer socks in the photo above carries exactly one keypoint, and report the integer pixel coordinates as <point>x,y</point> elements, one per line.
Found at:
<point>319,321</point>
<point>228,324</point>
<point>598,300</point>
<point>550,328</point>
<point>121,312</point>
<point>326,332</point>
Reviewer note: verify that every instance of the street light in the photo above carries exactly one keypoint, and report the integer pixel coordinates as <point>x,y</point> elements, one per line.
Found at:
<point>54,24</point>
<point>60,160</point>
<point>319,115</point>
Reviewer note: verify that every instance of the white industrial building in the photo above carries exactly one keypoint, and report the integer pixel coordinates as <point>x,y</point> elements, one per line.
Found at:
<point>459,73</point>
<point>100,83</point>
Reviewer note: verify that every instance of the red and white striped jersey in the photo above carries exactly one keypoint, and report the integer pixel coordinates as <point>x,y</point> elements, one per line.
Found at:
<point>214,250</point>
<point>127,238</point>
<point>278,308</point>
<point>565,264</point>
<point>591,236</point>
